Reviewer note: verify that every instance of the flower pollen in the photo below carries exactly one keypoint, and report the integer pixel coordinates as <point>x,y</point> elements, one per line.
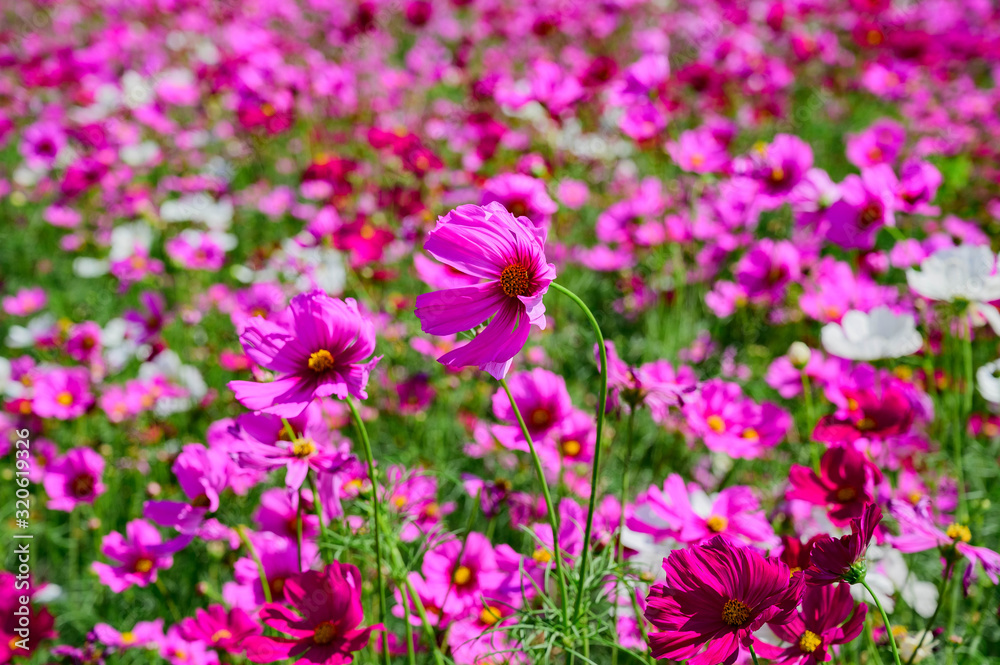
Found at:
<point>303,447</point>
<point>462,576</point>
<point>321,361</point>
<point>735,613</point>
<point>716,423</point>
<point>716,523</point>
<point>809,641</point>
<point>143,565</point>
<point>515,281</point>
<point>959,532</point>
<point>324,632</point>
<point>65,398</point>
<point>490,615</point>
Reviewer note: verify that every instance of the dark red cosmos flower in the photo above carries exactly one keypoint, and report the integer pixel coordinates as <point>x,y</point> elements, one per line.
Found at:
<point>869,416</point>
<point>843,559</point>
<point>846,483</point>
<point>796,554</point>
<point>326,628</point>
<point>828,617</point>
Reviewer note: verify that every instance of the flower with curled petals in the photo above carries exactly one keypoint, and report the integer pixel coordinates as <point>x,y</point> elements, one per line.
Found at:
<point>507,254</point>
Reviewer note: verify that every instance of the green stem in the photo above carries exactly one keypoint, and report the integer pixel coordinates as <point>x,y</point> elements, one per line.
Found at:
<point>552,509</point>
<point>753,655</point>
<point>814,447</point>
<point>630,428</point>
<point>960,426</point>
<point>298,526</point>
<point>318,505</point>
<point>942,587</point>
<point>411,656</point>
<point>885,620</point>
<point>372,475</point>
<point>602,402</point>
<point>256,559</point>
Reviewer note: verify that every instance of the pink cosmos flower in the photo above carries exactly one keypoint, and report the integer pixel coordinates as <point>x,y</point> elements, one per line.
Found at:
<point>219,628</point>
<point>828,617</point>
<point>413,496</point>
<point>84,341</point>
<point>140,554</point>
<point>685,513</point>
<point>846,483</point>
<point>198,250</point>
<point>462,576</point>
<point>25,302</point>
<point>74,478</point>
<point>879,144</point>
<point>866,204</point>
<point>62,393</point>
<point>733,424</point>
<point>278,514</point>
<point>143,634</point>
<point>267,445</point>
<point>874,414</point>
<point>919,532</point>
<point>836,559</point>
<point>280,558</point>
<point>543,401</point>
<point>509,253</point>
<point>39,621</point>
<point>326,628</point>
<point>779,167</point>
<point>203,474</point>
<point>766,269</point>
<point>178,651</point>
<point>717,594</point>
<point>316,346</point>
<point>698,151</point>
<point>521,195</point>
<point>655,384</point>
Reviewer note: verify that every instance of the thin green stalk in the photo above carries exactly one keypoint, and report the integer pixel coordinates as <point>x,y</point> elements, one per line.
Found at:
<point>753,655</point>
<point>602,402</point>
<point>318,505</point>
<point>552,509</point>
<point>814,448</point>
<point>960,425</point>
<point>372,475</point>
<point>942,587</point>
<point>256,559</point>
<point>411,656</point>
<point>629,429</point>
<point>885,620</point>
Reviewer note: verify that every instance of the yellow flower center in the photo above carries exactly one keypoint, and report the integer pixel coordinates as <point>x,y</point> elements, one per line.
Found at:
<point>321,361</point>
<point>697,159</point>
<point>716,423</point>
<point>324,633</point>
<point>143,565</point>
<point>542,556</point>
<point>852,404</point>
<point>809,641</point>
<point>717,523</point>
<point>735,613</point>
<point>865,424</point>
<point>490,615</point>
<point>777,174</point>
<point>303,447</point>
<point>462,576</point>
<point>222,634</point>
<point>846,494</point>
<point>399,501</point>
<point>540,417</point>
<point>128,637</point>
<point>65,398</point>
<point>959,532</point>
<point>570,448</point>
<point>751,434</point>
<point>432,510</point>
<point>515,281</point>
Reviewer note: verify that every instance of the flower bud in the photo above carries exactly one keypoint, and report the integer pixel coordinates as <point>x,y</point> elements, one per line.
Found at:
<point>799,354</point>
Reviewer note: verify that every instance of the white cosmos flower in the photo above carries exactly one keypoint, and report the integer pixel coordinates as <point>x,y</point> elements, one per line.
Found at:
<point>966,272</point>
<point>908,651</point>
<point>877,334</point>
<point>989,382</point>
<point>888,573</point>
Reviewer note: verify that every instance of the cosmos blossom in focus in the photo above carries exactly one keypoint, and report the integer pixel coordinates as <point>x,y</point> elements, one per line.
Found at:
<point>508,253</point>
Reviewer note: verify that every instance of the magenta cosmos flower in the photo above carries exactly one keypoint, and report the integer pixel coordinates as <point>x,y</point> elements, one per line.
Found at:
<point>316,347</point>
<point>74,478</point>
<point>62,393</point>
<point>828,617</point>
<point>507,252</point>
<point>717,594</point>
<point>139,553</point>
<point>219,628</point>
<point>326,628</point>
<point>836,559</point>
<point>918,531</point>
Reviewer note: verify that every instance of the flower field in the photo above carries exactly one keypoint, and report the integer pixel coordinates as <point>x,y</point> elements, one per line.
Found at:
<point>481,332</point>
